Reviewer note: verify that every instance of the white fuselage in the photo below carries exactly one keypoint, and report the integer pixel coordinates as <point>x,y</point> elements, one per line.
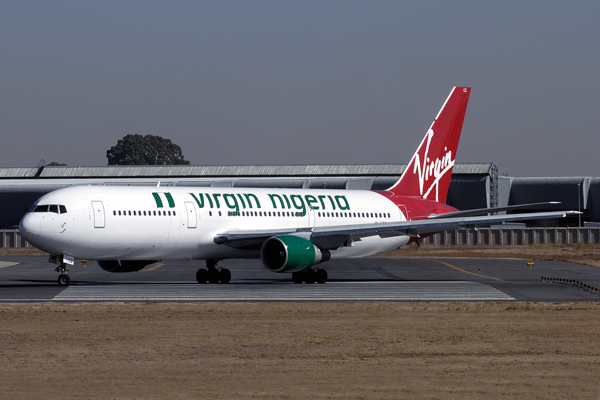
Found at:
<point>159,223</point>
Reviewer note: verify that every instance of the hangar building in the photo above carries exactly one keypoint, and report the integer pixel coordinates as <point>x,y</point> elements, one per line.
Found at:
<point>472,185</point>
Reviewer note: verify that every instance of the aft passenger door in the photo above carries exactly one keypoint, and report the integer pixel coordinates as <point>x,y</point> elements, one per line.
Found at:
<point>98,209</point>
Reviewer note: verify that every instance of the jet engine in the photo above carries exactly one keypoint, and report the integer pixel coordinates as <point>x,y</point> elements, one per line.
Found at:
<point>291,254</point>
<point>124,266</point>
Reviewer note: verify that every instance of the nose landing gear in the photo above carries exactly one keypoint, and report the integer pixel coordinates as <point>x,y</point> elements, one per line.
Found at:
<point>62,260</point>
<point>63,279</point>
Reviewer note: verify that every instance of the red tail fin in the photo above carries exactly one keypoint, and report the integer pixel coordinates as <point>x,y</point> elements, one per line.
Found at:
<point>428,173</point>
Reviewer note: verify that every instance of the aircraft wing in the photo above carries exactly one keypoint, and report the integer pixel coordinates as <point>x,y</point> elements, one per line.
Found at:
<point>489,210</point>
<point>332,237</point>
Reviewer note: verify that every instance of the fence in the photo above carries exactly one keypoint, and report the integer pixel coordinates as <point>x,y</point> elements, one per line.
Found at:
<point>513,236</point>
<point>11,238</point>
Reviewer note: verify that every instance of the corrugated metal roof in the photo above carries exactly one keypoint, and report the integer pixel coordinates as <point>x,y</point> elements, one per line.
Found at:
<point>17,173</point>
<point>481,168</point>
<point>548,181</point>
<point>166,171</point>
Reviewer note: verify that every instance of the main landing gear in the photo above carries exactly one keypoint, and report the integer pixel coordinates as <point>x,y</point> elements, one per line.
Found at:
<point>213,275</point>
<point>310,276</point>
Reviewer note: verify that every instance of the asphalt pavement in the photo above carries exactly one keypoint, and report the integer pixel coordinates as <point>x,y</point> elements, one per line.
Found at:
<point>33,279</point>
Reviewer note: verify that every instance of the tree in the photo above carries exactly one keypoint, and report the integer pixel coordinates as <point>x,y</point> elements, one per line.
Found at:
<point>145,150</point>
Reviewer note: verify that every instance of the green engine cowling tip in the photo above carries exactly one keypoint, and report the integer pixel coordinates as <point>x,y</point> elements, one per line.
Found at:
<point>291,254</point>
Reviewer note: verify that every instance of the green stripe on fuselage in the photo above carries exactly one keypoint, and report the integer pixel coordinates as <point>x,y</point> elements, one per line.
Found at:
<point>170,200</point>
<point>159,202</point>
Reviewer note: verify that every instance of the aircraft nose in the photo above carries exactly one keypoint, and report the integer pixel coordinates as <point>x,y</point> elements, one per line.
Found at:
<point>30,227</point>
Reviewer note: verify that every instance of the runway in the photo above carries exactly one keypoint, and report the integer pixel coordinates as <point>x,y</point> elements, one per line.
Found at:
<point>32,279</point>
<point>335,291</point>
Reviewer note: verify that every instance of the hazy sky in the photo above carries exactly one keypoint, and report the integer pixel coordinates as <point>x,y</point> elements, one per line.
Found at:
<point>301,82</point>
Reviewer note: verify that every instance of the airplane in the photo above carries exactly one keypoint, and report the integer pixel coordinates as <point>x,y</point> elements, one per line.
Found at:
<point>126,228</point>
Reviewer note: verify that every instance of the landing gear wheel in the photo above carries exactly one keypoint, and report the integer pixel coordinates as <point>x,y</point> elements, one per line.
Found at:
<point>213,276</point>
<point>297,277</point>
<point>202,275</point>
<point>64,280</point>
<point>224,275</point>
<point>310,276</point>
<point>321,275</point>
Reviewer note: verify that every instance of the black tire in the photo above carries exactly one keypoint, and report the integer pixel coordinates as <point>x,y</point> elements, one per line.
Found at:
<point>321,276</point>
<point>310,276</point>
<point>224,275</point>
<point>297,277</point>
<point>202,275</point>
<point>213,276</point>
<point>64,280</point>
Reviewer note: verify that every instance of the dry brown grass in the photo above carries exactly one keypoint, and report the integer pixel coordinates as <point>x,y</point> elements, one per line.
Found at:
<point>308,350</point>
<point>300,350</point>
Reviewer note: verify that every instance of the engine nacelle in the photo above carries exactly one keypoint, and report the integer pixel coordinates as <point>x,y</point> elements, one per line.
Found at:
<point>291,254</point>
<point>123,266</point>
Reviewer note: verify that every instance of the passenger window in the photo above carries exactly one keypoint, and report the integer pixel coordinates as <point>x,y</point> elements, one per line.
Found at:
<point>173,212</point>
<point>114,212</point>
<point>129,212</point>
<point>119,212</point>
<point>144,213</point>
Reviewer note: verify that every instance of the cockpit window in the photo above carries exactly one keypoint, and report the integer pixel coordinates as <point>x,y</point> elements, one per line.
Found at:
<point>54,208</point>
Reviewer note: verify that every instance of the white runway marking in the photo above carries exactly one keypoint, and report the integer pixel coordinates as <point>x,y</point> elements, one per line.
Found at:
<point>4,264</point>
<point>335,291</point>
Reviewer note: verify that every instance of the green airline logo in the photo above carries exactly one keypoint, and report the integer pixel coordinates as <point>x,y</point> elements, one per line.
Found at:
<point>250,201</point>
<point>278,201</point>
